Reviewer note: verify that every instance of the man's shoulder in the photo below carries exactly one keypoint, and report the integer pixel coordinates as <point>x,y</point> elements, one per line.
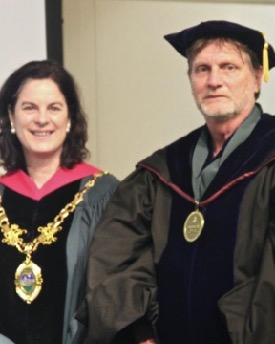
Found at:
<point>188,140</point>
<point>183,144</point>
<point>267,117</point>
<point>265,125</point>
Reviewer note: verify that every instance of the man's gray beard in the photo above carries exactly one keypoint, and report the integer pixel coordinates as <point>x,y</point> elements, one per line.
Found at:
<point>220,117</point>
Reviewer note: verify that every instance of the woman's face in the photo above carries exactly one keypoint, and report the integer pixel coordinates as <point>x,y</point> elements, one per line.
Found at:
<point>41,119</point>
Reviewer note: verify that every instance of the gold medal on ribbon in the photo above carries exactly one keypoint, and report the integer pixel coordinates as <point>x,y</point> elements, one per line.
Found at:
<point>28,281</point>
<point>193,226</point>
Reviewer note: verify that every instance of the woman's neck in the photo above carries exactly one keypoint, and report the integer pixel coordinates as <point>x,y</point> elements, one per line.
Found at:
<point>42,170</point>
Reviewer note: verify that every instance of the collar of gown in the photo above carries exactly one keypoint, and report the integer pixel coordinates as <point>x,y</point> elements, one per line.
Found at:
<point>21,182</point>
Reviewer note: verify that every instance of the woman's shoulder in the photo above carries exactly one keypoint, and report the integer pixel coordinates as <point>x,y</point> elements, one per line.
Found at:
<point>101,186</point>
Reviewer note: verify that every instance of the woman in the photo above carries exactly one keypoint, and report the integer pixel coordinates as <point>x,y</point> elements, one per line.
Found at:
<point>51,202</point>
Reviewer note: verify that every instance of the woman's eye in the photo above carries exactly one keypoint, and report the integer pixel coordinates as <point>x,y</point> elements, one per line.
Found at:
<point>28,107</point>
<point>55,108</point>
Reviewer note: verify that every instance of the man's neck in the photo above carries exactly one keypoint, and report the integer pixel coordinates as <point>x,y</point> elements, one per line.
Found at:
<point>220,131</point>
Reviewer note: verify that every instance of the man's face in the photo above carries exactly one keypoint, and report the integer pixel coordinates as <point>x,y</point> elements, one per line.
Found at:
<point>223,81</point>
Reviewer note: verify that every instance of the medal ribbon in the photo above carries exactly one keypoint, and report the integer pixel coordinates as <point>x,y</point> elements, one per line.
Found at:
<point>193,225</point>
<point>226,187</point>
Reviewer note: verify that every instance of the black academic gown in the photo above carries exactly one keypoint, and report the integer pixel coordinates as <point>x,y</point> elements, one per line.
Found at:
<point>42,321</point>
<point>187,291</point>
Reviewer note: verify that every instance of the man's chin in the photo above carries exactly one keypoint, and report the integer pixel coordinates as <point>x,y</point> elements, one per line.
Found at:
<point>218,117</point>
<point>218,114</point>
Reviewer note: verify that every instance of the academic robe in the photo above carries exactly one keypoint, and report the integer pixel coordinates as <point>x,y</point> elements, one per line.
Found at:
<point>50,317</point>
<point>219,289</point>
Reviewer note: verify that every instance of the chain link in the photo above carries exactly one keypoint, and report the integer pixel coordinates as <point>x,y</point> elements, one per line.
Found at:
<point>12,232</point>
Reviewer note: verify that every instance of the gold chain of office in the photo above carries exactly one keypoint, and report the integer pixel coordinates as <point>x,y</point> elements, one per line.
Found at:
<point>28,278</point>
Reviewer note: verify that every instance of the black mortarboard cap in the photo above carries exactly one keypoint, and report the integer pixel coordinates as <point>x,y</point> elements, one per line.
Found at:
<point>255,40</point>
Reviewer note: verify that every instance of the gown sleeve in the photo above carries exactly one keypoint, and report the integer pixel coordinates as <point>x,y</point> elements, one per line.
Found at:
<point>5,340</point>
<point>121,271</point>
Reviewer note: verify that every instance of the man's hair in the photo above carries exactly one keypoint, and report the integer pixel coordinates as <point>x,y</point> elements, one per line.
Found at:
<point>201,43</point>
<point>74,147</point>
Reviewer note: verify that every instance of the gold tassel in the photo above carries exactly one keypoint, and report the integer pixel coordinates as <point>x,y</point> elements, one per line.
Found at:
<point>265,61</point>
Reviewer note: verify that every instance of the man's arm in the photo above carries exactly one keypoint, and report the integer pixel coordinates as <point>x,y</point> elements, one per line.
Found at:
<point>121,272</point>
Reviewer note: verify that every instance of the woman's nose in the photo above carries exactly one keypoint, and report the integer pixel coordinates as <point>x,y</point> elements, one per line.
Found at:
<point>42,116</point>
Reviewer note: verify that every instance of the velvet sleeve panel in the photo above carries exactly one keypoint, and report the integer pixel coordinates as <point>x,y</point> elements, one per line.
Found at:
<point>87,215</point>
<point>249,308</point>
<point>121,275</point>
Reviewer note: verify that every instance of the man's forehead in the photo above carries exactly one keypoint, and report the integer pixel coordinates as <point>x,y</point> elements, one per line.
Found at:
<point>214,46</point>
<point>220,52</point>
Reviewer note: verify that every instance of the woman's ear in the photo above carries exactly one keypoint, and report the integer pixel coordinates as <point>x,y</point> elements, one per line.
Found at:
<point>68,127</point>
<point>11,122</point>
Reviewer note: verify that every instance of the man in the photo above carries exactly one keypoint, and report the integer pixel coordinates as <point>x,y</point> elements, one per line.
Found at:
<point>184,252</point>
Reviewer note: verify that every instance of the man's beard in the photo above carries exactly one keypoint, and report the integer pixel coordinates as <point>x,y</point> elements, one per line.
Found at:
<point>219,115</point>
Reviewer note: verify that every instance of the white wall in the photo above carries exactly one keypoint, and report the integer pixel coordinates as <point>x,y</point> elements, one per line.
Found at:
<point>22,34</point>
<point>79,58</point>
<point>141,94</point>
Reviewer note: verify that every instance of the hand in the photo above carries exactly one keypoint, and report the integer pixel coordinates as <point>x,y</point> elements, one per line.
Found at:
<point>149,341</point>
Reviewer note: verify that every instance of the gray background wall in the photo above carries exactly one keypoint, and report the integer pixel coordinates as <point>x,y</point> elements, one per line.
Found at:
<point>22,34</point>
<point>134,85</point>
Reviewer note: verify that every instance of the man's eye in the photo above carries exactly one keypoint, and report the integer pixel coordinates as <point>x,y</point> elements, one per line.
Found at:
<point>202,69</point>
<point>229,67</point>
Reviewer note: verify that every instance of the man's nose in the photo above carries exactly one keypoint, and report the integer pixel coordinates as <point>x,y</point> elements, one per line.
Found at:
<point>214,78</point>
